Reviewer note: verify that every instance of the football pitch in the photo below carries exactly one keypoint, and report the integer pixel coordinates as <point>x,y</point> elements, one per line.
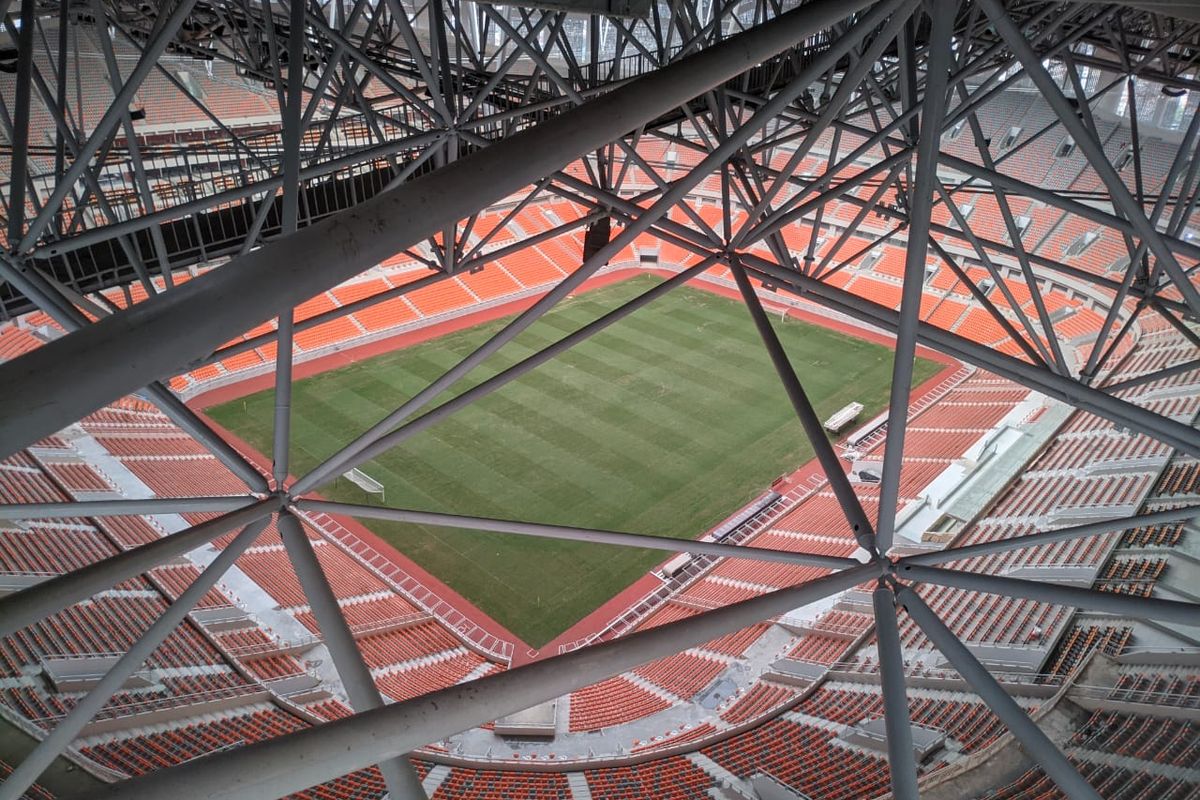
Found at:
<point>664,423</point>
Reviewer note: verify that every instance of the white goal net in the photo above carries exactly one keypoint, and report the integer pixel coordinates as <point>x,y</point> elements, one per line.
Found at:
<point>365,482</point>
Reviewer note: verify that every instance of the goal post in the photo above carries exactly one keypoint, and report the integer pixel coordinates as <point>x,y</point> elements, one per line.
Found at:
<point>365,482</point>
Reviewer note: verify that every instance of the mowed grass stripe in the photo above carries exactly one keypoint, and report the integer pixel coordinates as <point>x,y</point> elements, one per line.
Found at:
<point>509,430</point>
<point>530,481</point>
<point>562,438</point>
<point>672,389</point>
<point>664,423</point>
<point>636,438</point>
<point>692,381</point>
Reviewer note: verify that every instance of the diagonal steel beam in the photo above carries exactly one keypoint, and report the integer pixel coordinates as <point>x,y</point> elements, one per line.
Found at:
<point>540,60</point>
<point>1060,387</point>
<point>1014,237</point>
<point>902,763</point>
<point>54,300</point>
<point>432,417</point>
<point>1151,377</point>
<point>398,774</point>
<point>829,112</point>
<point>857,518</point>
<point>123,507</point>
<point>135,156</point>
<point>41,600</point>
<point>1038,356</point>
<point>1015,185</point>
<point>1090,146</point>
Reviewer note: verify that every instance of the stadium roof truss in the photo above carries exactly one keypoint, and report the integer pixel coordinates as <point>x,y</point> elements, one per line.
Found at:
<point>443,109</point>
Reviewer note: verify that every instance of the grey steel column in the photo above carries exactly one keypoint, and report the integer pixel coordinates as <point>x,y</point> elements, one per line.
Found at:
<point>1121,604</point>
<point>189,421</point>
<point>398,773</point>
<point>593,535</point>
<point>1048,537</point>
<point>856,517</point>
<point>122,507</point>
<point>1034,741</point>
<point>937,68</point>
<point>901,760</point>
<point>68,378</point>
<point>69,727</point>
<point>287,764</point>
<point>41,600</point>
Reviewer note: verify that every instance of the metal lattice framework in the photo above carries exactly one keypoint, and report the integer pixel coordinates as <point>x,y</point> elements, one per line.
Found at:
<point>409,120</point>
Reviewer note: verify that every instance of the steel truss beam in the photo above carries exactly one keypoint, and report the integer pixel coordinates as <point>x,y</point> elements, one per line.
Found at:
<point>856,517</point>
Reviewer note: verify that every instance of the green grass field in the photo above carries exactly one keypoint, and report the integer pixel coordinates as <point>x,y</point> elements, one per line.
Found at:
<point>665,423</point>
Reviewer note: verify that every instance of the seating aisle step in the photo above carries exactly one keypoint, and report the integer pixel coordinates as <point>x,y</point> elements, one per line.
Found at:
<point>654,688</point>
<point>434,779</point>
<point>722,776</point>
<point>579,786</point>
